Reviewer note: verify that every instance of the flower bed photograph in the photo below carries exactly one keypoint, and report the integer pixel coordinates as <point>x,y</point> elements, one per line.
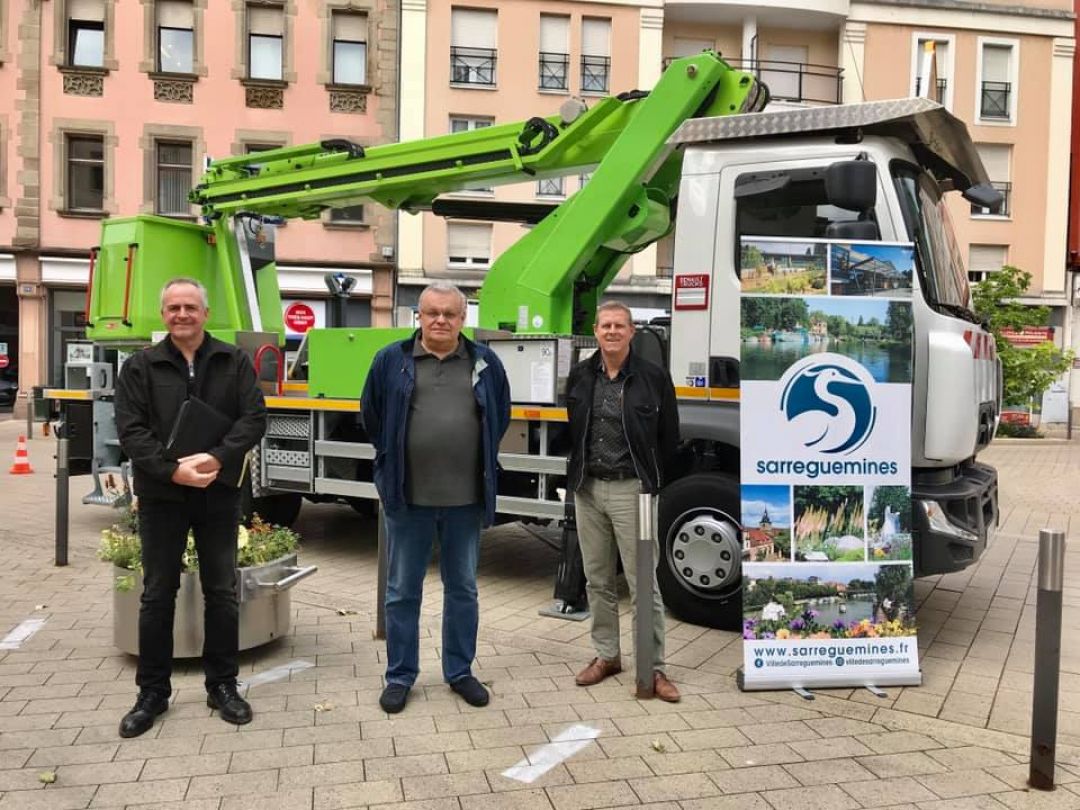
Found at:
<point>853,600</point>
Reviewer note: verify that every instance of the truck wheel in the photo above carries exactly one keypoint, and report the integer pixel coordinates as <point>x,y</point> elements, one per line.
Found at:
<point>700,565</point>
<point>280,510</point>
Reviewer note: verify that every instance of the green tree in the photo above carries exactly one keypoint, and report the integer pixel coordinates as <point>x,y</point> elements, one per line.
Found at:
<point>892,583</point>
<point>1028,372</point>
<point>898,322</point>
<point>898,498</point>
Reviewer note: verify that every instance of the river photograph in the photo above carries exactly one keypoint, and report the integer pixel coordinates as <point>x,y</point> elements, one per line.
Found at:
<point>776,331</point>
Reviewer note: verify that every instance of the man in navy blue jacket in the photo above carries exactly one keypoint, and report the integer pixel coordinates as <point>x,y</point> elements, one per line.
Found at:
<point>436,407</point>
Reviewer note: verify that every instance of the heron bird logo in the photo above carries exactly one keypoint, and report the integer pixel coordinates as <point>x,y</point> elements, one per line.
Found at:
<point>829,406</point>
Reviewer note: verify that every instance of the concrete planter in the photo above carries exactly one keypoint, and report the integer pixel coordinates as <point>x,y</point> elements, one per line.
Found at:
<point>265,607</point>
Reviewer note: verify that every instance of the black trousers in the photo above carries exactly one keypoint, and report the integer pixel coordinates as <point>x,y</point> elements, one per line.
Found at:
<point>213,515</point>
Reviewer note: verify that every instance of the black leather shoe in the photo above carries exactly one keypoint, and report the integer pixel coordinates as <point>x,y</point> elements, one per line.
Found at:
<point>232,708</point>
<point>140,719</point>
<point>471,690</point>
<point>393,697</point>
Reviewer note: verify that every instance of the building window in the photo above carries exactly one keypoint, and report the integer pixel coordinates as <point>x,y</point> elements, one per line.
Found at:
<point>933,65</point>
<point>996,158</point>
<point>468,245</point>
<point>984,260</point>
<point>462,123</point>
<point>86,33</point>
<point>554,52</point>
<point>85,173</point>
<point>347,215</point>
<point>583,179</point>
<point>176,36</point>
<point>996,97</point>
<point>473,46</point>
<point>266,38</point>
<point>173,164</point>
<point>350,48</point>
<point>551,187</point>
<point>595,55</point>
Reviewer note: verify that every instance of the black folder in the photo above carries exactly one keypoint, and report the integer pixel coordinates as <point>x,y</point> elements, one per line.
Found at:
<point>199,427</point>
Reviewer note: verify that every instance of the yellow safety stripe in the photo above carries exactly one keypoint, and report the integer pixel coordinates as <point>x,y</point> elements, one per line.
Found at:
<point>538,414</point>
<point>686,392</point>
<point>61,393</point>
<point>309,404</point>
<point>295,387</point>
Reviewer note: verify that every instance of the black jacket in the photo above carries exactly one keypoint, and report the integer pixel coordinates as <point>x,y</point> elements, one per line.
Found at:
<point>154,383</point>
<point>650,416</point>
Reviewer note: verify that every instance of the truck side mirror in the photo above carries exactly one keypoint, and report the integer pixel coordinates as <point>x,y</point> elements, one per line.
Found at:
<point>984,195</point>
<point>852,185</point>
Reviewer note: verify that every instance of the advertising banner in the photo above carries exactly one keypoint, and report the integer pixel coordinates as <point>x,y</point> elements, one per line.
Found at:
<point>826,370</point>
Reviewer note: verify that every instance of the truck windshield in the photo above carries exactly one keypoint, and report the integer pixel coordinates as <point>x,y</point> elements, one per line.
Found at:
<point>941,265</point>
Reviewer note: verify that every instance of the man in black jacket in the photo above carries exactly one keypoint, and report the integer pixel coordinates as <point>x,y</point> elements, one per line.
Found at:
<point>199,492</point>
<point>624,424</point>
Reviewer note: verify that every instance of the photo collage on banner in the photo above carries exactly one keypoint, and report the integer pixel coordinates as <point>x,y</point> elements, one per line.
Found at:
<point>826,370</point>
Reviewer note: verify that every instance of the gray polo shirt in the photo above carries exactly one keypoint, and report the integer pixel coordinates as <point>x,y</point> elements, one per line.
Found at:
<point>443,441</point>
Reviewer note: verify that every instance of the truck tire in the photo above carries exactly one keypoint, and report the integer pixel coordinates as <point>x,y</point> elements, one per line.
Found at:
<point>280,509</point>
<point>700,565</point>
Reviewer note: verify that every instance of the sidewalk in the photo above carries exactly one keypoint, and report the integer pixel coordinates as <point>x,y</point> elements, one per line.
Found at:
<point>959,741</point>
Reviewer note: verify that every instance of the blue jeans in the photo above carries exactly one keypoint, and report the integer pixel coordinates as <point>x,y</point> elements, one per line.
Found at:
<point>410,533</point>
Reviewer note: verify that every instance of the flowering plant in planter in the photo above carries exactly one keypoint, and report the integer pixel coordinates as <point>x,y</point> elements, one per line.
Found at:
<point>257,545</point>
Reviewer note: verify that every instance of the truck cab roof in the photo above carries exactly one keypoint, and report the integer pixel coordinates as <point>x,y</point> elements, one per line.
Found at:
<point>938,139</point>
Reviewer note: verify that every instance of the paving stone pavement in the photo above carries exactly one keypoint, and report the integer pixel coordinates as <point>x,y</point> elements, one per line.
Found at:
<point>959,741</point>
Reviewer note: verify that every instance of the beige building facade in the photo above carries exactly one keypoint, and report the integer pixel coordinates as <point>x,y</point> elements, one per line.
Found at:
<point>1004,68</point>
<point>108,108</point>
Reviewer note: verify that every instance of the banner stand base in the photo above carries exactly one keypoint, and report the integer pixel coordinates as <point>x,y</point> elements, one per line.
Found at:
<point>801,685</point>
<point>805,694</point>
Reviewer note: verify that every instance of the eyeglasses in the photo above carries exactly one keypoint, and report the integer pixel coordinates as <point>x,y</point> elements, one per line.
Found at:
<point>435,314</point>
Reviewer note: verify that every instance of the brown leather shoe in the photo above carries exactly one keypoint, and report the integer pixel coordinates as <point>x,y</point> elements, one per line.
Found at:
<point>665,689</point>
<point>599,669</point>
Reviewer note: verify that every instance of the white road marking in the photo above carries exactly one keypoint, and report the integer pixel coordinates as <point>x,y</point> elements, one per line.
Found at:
<point>26,629</point>
<point>564,746</point>
<point>278,673</point>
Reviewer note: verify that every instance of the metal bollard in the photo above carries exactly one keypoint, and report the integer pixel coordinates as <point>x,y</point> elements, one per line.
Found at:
<point>380,587</point>
<point>644,649</point>
<point>29,414</point>
<point>1044,703</point>
<point>62,499</point>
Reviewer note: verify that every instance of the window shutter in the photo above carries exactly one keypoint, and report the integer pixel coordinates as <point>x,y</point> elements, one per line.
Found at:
<point>470,28</point>
<point>986,258</point>
<point>995,157</point>
<point>554,34</point>
<point>264,21</point>
<point>175,14</point>
<point>595,37</point>
<point>90,10</point>
<point>469,240</point>
<point>690,47</point>
<point>996,60</point>
<point>350,27</point>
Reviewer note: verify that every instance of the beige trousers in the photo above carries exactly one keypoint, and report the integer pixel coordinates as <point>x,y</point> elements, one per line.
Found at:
<point>607,516</point>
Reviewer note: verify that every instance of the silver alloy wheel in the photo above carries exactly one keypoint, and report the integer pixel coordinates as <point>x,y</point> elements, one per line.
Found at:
<point>704,552</point>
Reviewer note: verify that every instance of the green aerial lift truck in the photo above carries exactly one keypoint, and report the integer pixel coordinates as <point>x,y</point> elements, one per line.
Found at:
<point>646,150</point>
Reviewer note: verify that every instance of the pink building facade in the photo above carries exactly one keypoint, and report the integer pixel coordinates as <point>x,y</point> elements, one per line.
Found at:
<point>109,108</point>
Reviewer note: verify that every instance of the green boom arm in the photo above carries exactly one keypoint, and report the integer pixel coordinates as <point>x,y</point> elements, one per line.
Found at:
<point>550,280</point>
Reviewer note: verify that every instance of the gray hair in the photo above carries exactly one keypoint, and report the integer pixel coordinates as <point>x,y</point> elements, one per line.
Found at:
<point>609,306</point>
<point>176,282</point>
<point>445,288</point>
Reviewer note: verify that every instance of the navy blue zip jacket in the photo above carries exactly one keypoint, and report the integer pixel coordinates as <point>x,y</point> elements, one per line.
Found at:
<point>384,408</point>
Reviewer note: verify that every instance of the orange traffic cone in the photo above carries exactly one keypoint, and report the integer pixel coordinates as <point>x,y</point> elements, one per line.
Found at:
<point>22,459</point>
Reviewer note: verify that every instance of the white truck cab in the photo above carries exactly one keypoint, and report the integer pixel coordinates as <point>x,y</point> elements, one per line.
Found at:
<point>785,174</point>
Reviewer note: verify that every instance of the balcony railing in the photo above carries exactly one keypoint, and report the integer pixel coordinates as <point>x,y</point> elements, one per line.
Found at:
<point>595,72</point>
<point>995,100</point>
<point>795,81</point>
<point>939,95</point>
<point>554,70</point>
<point>472,66</point>
<point>1002,210</point>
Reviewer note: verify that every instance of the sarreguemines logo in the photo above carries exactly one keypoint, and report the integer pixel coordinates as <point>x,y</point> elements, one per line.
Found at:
<point>826,400</point>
